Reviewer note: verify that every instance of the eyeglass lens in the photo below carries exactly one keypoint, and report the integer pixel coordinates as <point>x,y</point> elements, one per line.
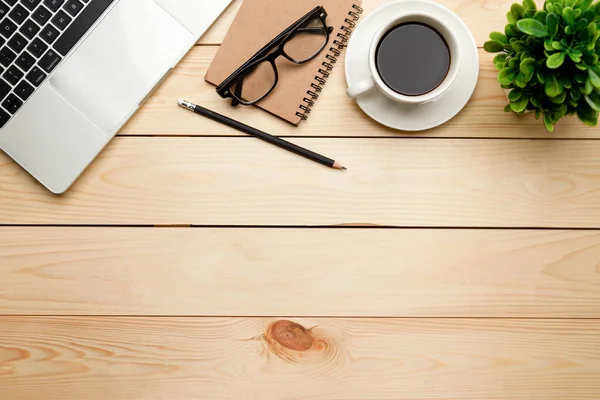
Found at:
<point>304,44</point>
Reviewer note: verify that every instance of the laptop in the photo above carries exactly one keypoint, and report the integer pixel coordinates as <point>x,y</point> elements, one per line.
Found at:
<point>72,72</point>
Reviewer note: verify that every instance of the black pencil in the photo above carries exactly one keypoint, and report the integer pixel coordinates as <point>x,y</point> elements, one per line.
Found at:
<point>311,155</point>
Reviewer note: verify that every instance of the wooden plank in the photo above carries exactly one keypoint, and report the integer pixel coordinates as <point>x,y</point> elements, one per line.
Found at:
<point>243,181</point>
<point>246,358</point>
<point>334,113</point>
<point>279,272</point>
<point>481,16</point>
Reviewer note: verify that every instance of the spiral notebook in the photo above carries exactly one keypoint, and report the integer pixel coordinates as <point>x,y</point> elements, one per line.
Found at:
<point>257,23</point>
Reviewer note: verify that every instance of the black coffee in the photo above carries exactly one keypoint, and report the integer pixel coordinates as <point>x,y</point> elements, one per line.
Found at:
<point>413,59</point>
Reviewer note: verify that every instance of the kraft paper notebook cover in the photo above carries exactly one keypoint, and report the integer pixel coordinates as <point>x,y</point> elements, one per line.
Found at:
<point>260,21</point>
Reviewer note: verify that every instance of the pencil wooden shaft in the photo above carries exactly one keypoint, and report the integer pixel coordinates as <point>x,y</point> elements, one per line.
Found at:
<point>311,155</point>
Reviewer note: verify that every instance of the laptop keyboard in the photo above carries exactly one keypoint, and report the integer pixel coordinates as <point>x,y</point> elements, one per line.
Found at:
<point>35,35</point>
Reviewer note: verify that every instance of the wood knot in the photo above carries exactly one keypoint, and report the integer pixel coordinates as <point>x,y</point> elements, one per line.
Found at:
<point>292,342</point>
<point>291,335</point>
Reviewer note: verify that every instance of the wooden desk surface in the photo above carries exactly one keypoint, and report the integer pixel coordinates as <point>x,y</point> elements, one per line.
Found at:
<point>192,262</point>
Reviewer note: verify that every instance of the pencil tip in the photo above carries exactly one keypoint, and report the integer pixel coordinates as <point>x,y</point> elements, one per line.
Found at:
<point>345,169</point>
<point>337,165</point>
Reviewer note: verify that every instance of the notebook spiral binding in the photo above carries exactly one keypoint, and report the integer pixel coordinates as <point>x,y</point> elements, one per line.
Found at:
<point>334,52</point>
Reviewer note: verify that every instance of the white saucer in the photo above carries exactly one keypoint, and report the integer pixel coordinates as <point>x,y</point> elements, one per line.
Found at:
<point>407,117</point>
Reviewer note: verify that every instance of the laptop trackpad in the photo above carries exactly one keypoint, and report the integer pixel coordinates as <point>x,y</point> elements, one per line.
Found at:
<point>121,61</point>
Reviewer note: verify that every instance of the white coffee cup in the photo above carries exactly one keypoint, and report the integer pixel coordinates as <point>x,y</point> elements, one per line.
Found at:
<point>374,80</point>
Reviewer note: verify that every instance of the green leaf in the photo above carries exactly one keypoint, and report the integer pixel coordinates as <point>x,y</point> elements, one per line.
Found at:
<point>587,115</point>
<point>549,125</point>
<point>527,66</point>
<point>538,113</point>
<point>574,57</point>
<point>580,77</point>
<point>570,3</point>
<point>541,77</point>
<point>582,67</point>
<point>587,88</point>
<point>532,27</point>
<point>559,99</point>
<point>508,48</point>
<point>499,60</point>
<point>588,15</point>
<point>577,13</point>
<point>569,30</point>
<point>506,76</point>
<point>552,22</point>
<point>515,94</point>
<point>514,63</point>
<point>591,29</point>
<point>520,104</point>
<point>551,87</point>
<point>555,60</point>
<point>581,25</point>
<point>594,78</point>
<point>518,45</point>
<point>491,46</point>
<point>499,37</point>
<point>584,4</point>
<point>531,41</point>
<point>507,108</point>
<point>535,100</point>
<point>575,94</point>
<point>529,5</point>
<point>521,80</point>
<point>568,15</point>
<point>510,18</point>
<point>577,52</point>
<point>566,82</point>
<point>556,8</point>
<point>591,59</point>
<point>517,11</point>
<point>511,31</point>
<point>593,101</point>
<point>540,16</point>
<point>557,46</point>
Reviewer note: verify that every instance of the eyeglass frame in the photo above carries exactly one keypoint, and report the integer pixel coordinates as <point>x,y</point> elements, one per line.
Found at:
<point>271,52</point>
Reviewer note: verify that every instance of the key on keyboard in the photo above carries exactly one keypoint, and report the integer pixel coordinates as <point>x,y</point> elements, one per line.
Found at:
<point>53,5</point>
<point>7,28</point>
<point>25,61</point>
<point>13,75</point>
<point>31,3</point>
<point>37,47</point>
<point>24,90</point>
<point>7,56</point>
<point>61,20</point>
<point>19,14</point>
<point>3,9</point>
<point>12,103</point>
<point>29,29</point>
<point>17,43</point>
<point>41,15</point>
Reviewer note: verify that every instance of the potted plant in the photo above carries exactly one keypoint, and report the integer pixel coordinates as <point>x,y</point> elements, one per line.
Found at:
<point>548,60</point>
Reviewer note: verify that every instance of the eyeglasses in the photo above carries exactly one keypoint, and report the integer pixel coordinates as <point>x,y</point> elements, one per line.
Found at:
<point>300,43</point>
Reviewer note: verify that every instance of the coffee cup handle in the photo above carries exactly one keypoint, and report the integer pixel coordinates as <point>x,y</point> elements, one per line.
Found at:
<point>360,88</point>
